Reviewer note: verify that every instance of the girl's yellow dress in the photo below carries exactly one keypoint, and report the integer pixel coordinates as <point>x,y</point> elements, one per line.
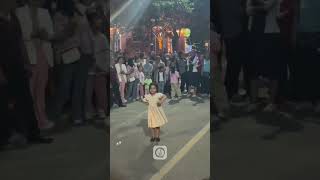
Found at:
<point>156,115</point>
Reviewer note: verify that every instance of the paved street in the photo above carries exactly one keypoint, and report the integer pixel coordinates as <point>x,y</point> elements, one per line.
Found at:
<point>186,136</point>
<point>76,154</point>
<point>254,147</point>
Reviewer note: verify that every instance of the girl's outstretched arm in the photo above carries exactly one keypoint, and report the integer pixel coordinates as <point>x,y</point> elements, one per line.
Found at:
<point>145,101</point>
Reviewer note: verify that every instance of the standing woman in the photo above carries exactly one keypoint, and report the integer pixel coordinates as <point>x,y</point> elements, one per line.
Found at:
<point>37,28</point>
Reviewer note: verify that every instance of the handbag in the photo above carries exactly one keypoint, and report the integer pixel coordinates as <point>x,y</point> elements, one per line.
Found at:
<point>70,56</point>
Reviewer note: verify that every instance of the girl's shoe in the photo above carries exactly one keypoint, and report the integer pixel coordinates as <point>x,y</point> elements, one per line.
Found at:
<point>157,139</point>
<point>152,139</point>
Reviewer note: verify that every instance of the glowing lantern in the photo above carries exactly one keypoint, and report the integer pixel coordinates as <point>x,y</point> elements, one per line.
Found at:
<point>186,32</point>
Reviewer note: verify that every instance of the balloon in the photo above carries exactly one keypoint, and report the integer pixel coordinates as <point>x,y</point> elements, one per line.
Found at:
<point>187,32</point>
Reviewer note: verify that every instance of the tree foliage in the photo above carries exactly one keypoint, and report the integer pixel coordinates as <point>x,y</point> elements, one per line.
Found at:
<point>186,6</point>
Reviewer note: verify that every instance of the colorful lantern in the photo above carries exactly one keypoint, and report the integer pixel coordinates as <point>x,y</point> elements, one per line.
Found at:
<point>185,32</point>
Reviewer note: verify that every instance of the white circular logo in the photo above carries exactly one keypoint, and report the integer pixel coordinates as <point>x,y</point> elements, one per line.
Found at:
<point>160,152</point>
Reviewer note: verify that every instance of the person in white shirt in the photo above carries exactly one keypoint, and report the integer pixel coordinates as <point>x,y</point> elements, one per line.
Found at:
<point>161,79</point>
<point>37,27</point>
<point>122,71</point>
<point>141,82</point>
<point>194,75</point>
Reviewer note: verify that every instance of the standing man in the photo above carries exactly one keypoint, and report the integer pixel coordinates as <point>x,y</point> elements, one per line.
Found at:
<point>232,20</point>
<point>182,67</point>
<point>156,68</point>
<point>12,66</point>
<point>148,68</point>
<point>114,85</point>
<point>267,61</point>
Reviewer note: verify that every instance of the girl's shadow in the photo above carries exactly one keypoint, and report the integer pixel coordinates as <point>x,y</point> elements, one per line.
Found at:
<point>144,125</point>
<point>146,158</point>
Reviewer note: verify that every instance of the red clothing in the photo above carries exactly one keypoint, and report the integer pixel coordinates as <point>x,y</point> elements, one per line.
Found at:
<point>200,63</point>
<point>286,22</point>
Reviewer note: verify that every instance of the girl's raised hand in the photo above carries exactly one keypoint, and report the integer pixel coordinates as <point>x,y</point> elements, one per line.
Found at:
<point>144,100</point>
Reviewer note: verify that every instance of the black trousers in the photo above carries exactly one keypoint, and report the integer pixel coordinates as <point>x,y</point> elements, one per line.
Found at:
<point>115,95</point>
<point>25,121</point>
<point>21,118</point>
<point>305,74</point>
<point>5,128</point>
<point>237,59</point>
<point>205,83</point>
<point>184,81</point>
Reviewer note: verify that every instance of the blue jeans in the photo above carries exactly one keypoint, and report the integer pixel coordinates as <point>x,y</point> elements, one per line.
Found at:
<point>161,86</point>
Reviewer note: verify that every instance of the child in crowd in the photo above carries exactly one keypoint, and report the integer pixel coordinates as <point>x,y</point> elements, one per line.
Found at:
<point>175,86</point>
<point>141,82</point>
<point>147,83</point>
<point>156,115</point>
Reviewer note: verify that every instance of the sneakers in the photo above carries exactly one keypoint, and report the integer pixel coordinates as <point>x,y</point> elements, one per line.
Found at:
<point>90,115</point>
<point>18,140</point>
<point>124,100</point>
<point>78,122</point>
<point>270,108</point>
<point>49,125</point>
